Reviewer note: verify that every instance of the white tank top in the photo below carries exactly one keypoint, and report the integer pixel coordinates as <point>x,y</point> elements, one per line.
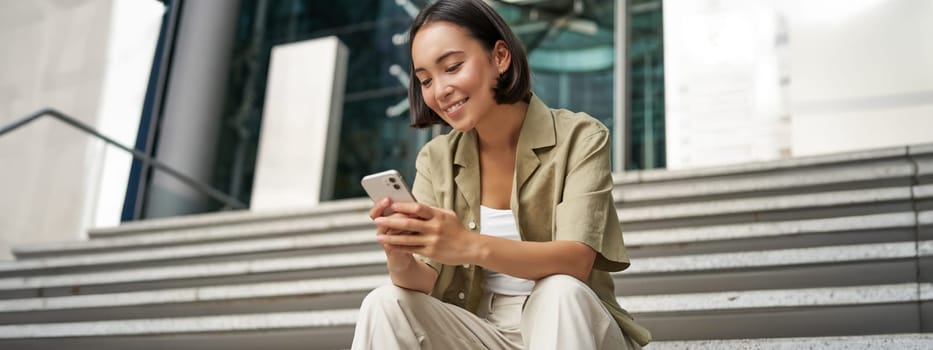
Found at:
<point>501,223</point>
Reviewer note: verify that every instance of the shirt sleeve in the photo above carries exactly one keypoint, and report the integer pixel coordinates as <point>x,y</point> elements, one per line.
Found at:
<point>587,211</point>
<point>423,191</point>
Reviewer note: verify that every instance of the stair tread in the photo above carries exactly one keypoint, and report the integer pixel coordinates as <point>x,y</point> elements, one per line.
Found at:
<point>814,297</point>
<point>633,239</point>
<point>758,259</point>
<point>863,342</point>
<point>636,303</point>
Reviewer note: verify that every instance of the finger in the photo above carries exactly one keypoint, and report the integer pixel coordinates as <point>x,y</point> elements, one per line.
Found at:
<point>381,230</point>
<point>379,208</point>
<point>402,240</point>
<point>401,224</point>
<point>414,209</point>
<point>398,232</point>
<point>402,249</point>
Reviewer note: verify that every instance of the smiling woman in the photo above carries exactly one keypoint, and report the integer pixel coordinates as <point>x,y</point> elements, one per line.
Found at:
<point>514,234</point>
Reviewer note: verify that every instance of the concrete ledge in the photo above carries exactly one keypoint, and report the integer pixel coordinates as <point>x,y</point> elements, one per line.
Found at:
<point>925,248</point>
<point>865,342</point>
<point>201,234</point>
<point>925,217</point>
<point>776,298</point>
<point>134,254</point>
<point>917,150</point>
<point>182,325</point>
<point>773,258</point>
<point>815,297</point>
<point>789,179</point>
<point>195,271</point>
<point>231,218</point>
<point>923,191</point>
<point>924,165</point>
<point>769,229</point>
<point>656,175</point>
<point>198,294</point>
<point>687,263</point>
<point>763,204</point>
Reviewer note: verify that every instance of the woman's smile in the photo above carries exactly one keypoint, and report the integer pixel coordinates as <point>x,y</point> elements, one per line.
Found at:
<point>453,110</point>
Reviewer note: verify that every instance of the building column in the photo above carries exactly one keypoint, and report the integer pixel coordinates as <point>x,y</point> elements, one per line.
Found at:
<point>192,112</point>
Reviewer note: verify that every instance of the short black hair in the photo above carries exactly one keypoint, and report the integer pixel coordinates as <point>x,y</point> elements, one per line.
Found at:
<point>481,22</point>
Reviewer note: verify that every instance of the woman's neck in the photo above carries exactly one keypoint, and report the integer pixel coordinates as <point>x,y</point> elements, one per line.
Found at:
<point>501,129</point>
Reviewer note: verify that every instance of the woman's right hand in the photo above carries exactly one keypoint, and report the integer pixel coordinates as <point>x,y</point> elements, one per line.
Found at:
<point>395,257</point>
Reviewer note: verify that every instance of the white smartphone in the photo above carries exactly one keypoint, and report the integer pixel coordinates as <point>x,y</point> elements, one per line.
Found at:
<point>389,184</point>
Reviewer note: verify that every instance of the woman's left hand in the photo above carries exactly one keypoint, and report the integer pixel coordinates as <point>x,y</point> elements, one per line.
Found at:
<point>438,234</point>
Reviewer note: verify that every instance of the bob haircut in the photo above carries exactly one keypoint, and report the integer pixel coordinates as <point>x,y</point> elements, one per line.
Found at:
<point>485,25</point>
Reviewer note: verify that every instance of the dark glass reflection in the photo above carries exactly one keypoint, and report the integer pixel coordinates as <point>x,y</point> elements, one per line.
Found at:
<point>570,46</point>
<point>646,141</point>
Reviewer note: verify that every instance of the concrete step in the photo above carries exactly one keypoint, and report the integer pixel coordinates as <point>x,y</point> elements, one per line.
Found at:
<point>123,256</point>
<point>775,208</point>
<point>231,218</point>
<point>646,308</point>
<point>336,223</point>
<point>875,173</point>
<point>769,203</point>
<point>922,155</point>
<point>640,243</point>
<point>747,210</point>
<point>735,271</point>
<point>662,175</point>
<point>348,264</point>
<point>350,214</point>
<point>373,262</point>
<point>905,341</point>
<point>332,292</point>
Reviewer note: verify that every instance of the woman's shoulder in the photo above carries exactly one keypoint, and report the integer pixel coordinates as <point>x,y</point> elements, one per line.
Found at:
<point>570,124</point>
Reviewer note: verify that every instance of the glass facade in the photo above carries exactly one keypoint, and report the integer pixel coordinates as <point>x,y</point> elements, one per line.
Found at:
<point>571,51</point>
<point>646,141</point>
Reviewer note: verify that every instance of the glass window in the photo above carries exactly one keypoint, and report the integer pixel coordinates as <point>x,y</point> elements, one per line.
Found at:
<point>571,52</point>
<point>570,48</point>
<point>646,141</point>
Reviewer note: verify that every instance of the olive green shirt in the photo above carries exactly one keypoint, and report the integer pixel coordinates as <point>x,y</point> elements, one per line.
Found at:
<point>562,190</point>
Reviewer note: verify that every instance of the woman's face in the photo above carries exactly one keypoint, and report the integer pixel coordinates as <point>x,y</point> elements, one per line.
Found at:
<point>457,75</point>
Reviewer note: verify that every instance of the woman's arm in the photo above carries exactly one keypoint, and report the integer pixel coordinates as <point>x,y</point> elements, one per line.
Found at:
<point>535,260</point>
<point>409,273</point>
<point>443,238</point>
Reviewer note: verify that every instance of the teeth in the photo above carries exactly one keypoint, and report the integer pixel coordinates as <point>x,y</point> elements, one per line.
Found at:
<point>451,108</point>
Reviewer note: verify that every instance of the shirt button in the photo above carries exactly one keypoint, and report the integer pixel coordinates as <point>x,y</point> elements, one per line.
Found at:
<point>472,225</point>
<point>466,266</point>
<point>461,296</point>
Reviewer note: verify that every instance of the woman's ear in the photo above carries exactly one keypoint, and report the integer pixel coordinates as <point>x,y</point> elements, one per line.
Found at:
<point>501,56</point>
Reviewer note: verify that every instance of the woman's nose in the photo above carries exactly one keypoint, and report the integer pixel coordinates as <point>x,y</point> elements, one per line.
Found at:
<point>443,90</point>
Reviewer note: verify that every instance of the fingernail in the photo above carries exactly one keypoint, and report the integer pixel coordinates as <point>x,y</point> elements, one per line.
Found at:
<point>380,239</point>
<point>379,220</point>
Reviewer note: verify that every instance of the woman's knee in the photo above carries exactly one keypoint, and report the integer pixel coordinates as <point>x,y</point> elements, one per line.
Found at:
<point>565,283</point>
<point>389,296</point>
<point>560,287</point>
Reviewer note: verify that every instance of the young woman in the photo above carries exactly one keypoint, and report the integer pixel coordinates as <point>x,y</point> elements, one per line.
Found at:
<point>515,232</point>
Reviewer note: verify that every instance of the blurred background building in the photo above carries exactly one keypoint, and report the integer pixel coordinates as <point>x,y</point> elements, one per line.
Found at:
<point>680,84</point>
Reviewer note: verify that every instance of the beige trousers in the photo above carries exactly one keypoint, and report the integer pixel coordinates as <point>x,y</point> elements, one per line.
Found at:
<point>561,313</point>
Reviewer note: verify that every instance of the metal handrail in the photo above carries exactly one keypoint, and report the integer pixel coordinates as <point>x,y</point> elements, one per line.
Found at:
<point>197,185</point>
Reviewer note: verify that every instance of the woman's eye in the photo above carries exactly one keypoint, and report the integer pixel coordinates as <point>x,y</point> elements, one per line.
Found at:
<point>454,67</point>
<point>426,82</point>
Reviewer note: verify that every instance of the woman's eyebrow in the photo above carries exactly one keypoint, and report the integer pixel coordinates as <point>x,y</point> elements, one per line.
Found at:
<point>440,58</point>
